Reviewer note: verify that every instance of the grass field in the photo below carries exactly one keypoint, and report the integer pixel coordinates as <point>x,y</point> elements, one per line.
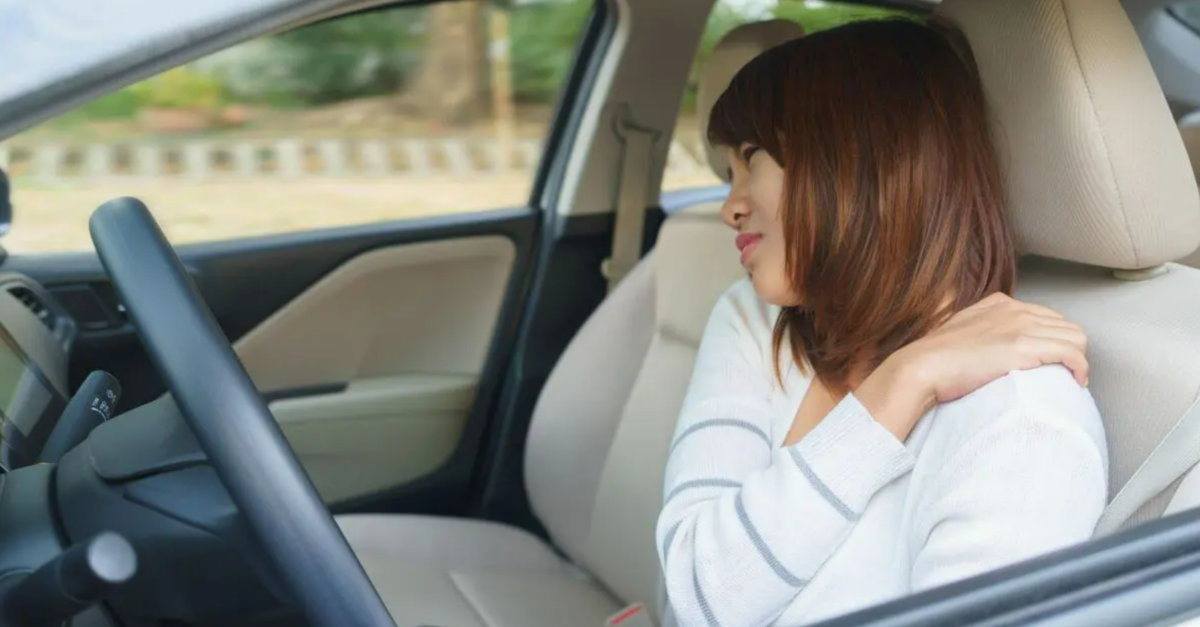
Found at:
<point>54,219</point>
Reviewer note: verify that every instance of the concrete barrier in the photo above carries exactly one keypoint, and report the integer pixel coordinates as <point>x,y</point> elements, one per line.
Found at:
<point>204,159</point>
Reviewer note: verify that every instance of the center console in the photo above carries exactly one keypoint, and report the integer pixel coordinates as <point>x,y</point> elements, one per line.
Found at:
<point>30,406</point>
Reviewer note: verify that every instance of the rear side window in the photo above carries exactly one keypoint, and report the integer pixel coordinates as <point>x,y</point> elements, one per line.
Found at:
<point>686,164</point>
<point>1188,13</point>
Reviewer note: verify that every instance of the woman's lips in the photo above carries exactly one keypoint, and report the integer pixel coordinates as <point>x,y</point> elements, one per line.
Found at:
<point>746,243</point>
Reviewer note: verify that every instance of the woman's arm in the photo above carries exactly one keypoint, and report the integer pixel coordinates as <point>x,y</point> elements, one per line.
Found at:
<point>745,524</point>
<point>1028,483</point>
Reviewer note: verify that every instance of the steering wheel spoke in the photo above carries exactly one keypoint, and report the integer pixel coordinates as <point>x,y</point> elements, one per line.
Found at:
<point>231,421</point>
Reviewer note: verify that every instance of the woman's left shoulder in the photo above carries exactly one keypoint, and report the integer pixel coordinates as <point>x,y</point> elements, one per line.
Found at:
<point>1044,397</point>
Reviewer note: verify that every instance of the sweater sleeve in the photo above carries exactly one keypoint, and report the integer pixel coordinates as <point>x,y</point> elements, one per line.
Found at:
<point>744,524</point>
<point>1027,484</point>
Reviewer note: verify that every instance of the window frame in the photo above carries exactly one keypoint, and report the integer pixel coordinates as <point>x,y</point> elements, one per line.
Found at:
<point>1144,575</point>
<point>1174,10</point>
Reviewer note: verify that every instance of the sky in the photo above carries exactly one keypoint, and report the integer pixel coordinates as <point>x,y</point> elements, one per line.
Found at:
<point>42,41</point>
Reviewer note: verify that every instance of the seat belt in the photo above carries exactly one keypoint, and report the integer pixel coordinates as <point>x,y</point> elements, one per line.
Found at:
<point>628,230</point>
<point>1170,460</point>
<point>632,615</point>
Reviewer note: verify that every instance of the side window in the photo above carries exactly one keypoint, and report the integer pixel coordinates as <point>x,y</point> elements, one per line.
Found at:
<point>391,114</point>
<point>1188,13</point>
<point>686,164</point>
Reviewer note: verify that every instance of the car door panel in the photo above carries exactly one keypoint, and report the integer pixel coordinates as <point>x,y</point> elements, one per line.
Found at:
<point>378,347</point>
<point>408,329</point>
<point>378,432</point>
<point>417,308</point>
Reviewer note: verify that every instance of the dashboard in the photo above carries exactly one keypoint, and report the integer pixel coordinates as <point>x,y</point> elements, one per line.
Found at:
<point>35,339</point>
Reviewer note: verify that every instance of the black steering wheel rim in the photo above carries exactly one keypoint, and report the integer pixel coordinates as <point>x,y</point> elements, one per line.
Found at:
<point>232,423</point>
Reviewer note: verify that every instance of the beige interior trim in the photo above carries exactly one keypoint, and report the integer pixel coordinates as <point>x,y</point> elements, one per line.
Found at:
<point>666,31</point>
<point>407,329</point>
<point>378,432</point>
<point>595,113</point>
<point>425,308</point>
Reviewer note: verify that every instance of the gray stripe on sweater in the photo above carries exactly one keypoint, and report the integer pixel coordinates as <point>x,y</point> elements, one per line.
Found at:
<point>762,547</point>
<point>721,422</point>
<point>666,550</point>
<point>701,483</point>
<point>702,601</point>
<point>821,488</point>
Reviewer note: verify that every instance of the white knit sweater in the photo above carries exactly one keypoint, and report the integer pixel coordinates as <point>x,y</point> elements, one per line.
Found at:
<point>753,533</point>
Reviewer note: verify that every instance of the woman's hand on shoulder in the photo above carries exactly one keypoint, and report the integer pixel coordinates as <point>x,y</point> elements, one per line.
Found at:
<point>976,346</point>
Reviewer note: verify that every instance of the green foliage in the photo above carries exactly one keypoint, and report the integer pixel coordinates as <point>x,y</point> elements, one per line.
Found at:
<point>812,15</point>
<point>117,105</point>
<point>723,19</point>
<point>544,39</point>
<point>819,16</point>
<point>363,55</point>
<point>180,88</point>
<point>379,52</point>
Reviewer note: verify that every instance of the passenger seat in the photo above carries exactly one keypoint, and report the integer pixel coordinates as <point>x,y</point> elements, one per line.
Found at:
<point>597,446</point>
<point>1189,129</point>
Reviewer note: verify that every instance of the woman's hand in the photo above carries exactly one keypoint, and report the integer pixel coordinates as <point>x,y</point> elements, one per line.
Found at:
<point>975,347</point>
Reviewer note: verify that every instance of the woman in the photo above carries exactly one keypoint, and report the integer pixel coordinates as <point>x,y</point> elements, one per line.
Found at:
<point>870,414</point>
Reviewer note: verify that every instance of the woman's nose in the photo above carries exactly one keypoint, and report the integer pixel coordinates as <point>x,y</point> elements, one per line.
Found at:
<point>736,208</point>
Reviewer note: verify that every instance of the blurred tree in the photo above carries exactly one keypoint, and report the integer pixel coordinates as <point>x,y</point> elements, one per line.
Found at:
<point>545,37</point>
<point>180,88</point>
<point>431,59</point>
<point>370,54</point>
<point>451,85</point>
<point>813,15</point>
<point>723,19</point>
<point>818,15</point>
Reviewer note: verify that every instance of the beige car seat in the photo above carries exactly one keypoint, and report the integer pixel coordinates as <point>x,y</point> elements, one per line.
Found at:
<point>1102,198</point>
<point>597,446</point>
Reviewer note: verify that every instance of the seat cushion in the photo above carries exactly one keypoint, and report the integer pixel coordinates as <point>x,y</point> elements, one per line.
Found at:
<point>448,572</point>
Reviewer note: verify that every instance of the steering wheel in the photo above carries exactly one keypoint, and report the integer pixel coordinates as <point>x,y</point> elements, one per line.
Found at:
<point>231,421</point>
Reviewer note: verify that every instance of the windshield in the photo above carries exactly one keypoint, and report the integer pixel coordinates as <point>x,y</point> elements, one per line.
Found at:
<point>50,46</point>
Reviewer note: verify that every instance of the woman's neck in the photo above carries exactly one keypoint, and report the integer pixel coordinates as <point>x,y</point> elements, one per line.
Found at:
<point>821,398</point>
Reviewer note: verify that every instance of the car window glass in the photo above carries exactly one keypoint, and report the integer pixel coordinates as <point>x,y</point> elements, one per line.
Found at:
<point>390,114</point>
<point>686,164</point>
<point>1188,13</point>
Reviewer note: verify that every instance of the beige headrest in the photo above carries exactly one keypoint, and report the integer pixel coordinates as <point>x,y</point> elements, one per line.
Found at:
<point>734,51</point>
<point>1095,169</point>
<point>1189,130</point>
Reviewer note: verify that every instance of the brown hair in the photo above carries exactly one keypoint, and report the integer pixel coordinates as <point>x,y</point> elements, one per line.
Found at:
<point>893,203</point>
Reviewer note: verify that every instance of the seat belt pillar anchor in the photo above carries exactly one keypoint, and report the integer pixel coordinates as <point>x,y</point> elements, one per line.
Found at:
<point>638,143</point>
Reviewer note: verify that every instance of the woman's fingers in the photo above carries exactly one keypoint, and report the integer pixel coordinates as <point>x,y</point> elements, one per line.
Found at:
<point>1066,334</point>
<point>1038,310</point>
<point>1052,350</point>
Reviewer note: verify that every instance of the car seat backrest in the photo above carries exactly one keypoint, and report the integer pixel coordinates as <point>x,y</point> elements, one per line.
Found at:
<point>1101,197</point>
<point>598,443</point>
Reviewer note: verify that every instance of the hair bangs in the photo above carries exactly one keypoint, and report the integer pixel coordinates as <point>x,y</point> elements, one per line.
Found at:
<point>747,112</point>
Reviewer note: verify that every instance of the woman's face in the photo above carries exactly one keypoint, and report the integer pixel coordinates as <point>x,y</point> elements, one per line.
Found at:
<point>753,210</point>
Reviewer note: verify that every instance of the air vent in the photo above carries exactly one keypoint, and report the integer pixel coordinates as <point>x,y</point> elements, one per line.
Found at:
<point>35,304</point>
